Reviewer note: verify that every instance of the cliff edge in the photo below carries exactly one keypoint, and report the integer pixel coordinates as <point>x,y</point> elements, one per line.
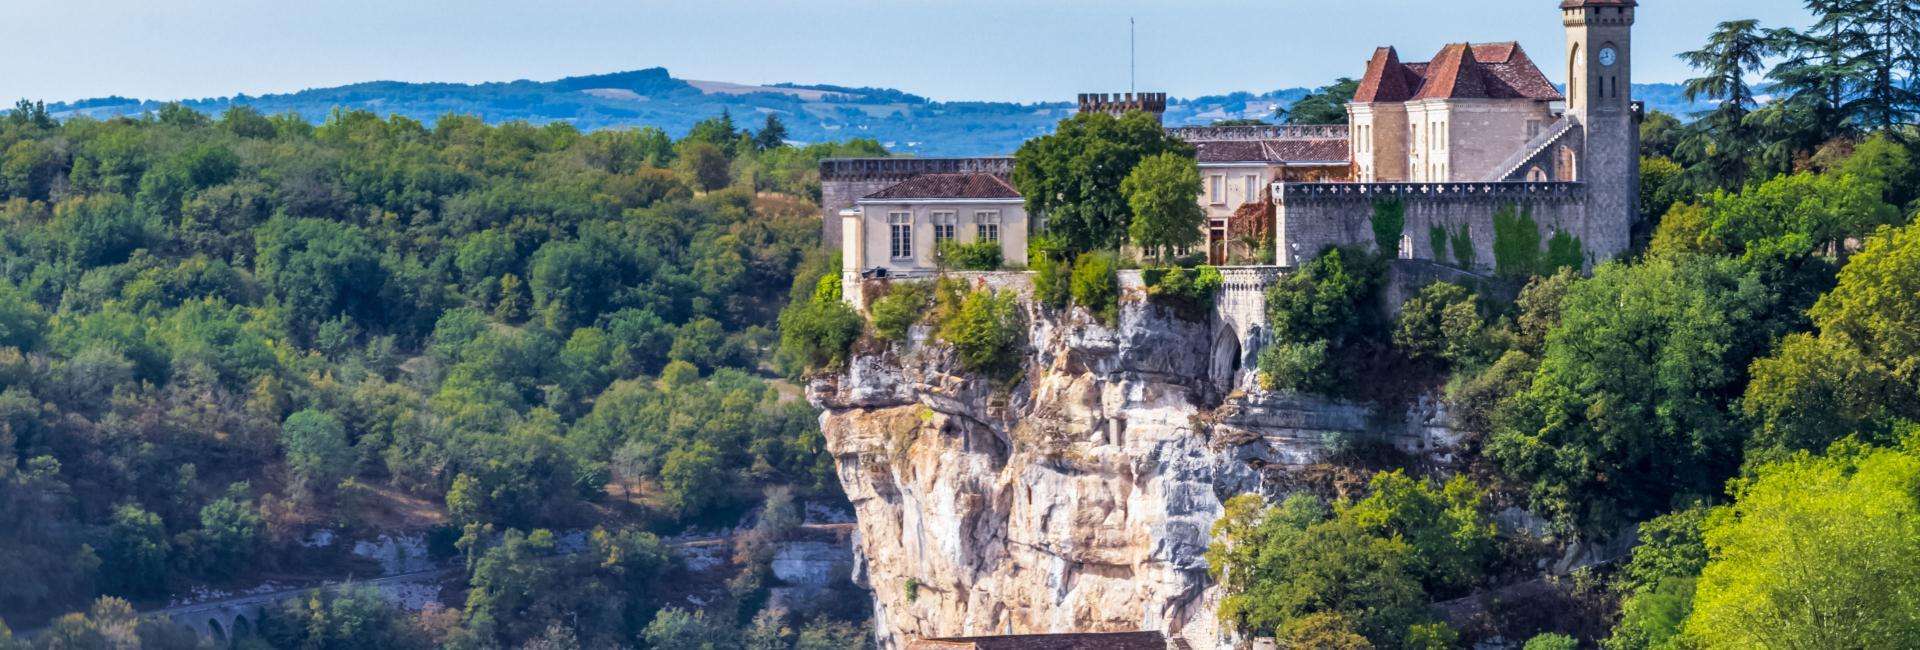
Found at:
<point>1080,499</point>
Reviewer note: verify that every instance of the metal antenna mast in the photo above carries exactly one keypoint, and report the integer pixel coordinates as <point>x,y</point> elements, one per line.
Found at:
<point>1132,77</point>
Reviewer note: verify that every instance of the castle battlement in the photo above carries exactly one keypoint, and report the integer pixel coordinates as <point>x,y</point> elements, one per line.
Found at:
<point>1118,103</point>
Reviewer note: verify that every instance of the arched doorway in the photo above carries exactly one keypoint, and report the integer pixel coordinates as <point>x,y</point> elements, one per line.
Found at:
<point>1224,361</point>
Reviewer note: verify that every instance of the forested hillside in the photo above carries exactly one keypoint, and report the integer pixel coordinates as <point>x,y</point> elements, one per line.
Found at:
<point>903,122</point>
<point>220,335</point>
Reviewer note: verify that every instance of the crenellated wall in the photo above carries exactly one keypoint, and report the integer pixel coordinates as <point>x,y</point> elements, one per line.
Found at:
<point>1312,216</point>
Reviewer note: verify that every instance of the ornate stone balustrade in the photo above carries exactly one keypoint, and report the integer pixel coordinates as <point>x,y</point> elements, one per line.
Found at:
<point>1374,191</point>
<point>1262,132</point>
<point>846,169</point>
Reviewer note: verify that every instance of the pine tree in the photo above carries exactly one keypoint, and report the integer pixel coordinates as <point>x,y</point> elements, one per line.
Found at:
<point>1734,49</point>
<point>1717,147</point>
<point>1884,40</point>
<point>771,136</point>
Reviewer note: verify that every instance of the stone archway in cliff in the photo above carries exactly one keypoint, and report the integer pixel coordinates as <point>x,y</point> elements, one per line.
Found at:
<point>1224,361</point>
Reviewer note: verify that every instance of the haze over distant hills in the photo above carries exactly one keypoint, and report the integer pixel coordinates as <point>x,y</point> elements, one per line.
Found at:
<point>903,122</point>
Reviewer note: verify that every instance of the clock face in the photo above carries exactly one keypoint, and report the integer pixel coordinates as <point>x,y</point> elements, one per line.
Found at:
<point>1608,56</point>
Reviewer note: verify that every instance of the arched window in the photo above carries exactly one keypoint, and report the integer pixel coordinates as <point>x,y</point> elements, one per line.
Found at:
<point>1573,74</point>
<point>1536,174</point>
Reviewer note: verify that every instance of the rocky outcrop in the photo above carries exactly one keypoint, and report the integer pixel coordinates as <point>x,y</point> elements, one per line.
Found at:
<point>1080,500</point>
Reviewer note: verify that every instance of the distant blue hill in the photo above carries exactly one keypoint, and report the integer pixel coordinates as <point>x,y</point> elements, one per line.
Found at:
<point>904,122</point>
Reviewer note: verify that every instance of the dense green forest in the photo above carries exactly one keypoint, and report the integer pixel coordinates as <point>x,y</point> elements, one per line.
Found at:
<point>218,334</point>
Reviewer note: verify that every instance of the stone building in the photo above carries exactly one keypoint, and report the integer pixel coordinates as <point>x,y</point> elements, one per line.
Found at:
<point>903,228</point>
<point>1456,117</point>
<point>1238,164</point>
<point>1477,132</point>
<point>844,181</point>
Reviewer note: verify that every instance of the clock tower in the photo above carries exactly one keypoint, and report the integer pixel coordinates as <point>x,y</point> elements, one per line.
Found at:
<point>1600,97</point>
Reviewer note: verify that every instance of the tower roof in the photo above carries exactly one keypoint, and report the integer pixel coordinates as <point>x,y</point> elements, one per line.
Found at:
<point>1459,71</point>
<point>1387,80</point>
<point>1576,4</point>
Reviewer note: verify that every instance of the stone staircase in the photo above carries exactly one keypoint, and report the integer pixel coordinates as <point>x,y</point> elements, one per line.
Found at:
<point>1539,143</point>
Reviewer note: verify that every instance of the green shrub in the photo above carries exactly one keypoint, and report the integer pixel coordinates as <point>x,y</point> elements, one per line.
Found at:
<point>1552,642</point>
<point>819,333</point>
<point>977,256</point>
<point>1326,311</point>
<point>1189,292</point>
<point>1437,240</point>
<point>986,329</point>
<point>1442,324</point>
<point>1052,274</point>
<point>1389,222</point>
<point>903,306</point>
<point>1295,366</point>
<point>1096,285</point>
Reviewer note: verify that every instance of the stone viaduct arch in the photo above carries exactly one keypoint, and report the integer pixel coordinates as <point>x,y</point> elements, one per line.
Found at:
<point>1240,317</point>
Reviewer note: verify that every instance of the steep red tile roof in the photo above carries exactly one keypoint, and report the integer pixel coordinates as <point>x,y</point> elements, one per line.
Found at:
<point>1485,71</point>
<point>1454,74</point>
<point>1459,71</point>
<point>1305,151</point>
<point>949,186</point>
<point>1510,65</point>
<point>1387,80</point>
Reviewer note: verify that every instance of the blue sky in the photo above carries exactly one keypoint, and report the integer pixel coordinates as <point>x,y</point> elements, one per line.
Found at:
<point>944,49</point>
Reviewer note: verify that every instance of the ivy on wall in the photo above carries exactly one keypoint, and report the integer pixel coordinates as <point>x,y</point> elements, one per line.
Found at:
<point>1516,246</point>
<point>1389,221</point>
<point>1564,251</point>
<point>1459,238</point>
<point>1516,242</point>
<point>1463,253</point>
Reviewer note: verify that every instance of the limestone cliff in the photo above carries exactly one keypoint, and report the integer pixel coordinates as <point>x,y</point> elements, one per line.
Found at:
<point>1079,500</point>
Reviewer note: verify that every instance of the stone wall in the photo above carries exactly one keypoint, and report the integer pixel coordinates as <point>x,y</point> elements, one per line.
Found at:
<point>1313,216</point>
<point>844,180</point>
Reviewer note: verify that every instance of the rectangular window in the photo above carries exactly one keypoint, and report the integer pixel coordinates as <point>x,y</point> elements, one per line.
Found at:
<point>943,225</point>
<point>900,227</point>
<point>1216,189</point>
<point>988,223</point>
<point>1253,188</point>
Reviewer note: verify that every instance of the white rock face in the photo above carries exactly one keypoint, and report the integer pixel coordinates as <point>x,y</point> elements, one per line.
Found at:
<point>1080,500</point>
